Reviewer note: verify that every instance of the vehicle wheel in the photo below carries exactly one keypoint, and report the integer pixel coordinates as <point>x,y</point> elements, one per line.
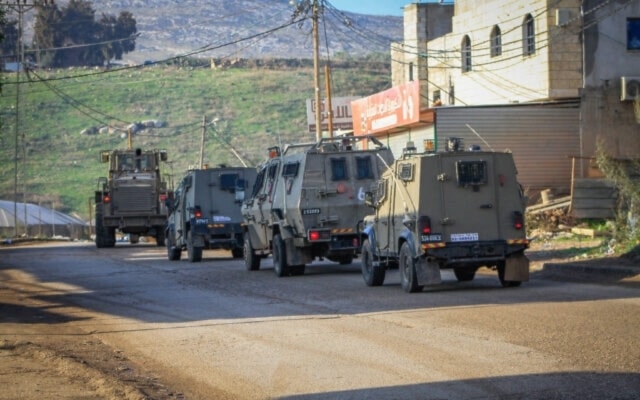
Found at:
<point>408,276</point>
<point>280,266</point>
<point>100,231</point>
<point>110,237</point>
<point>251,260</point>
<point>464,274</point>
<point>501,268</point>
<point>373,274</point>
<point>134,239</point>
<point>193,253</point>
<point>173,253</point>
<point>160,238</point>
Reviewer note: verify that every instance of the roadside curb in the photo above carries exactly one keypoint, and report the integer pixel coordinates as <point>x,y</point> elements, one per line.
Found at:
<point>617,270</point>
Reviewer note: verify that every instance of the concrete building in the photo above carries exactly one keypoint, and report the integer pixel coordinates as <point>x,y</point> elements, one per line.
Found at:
<point>546,79</point>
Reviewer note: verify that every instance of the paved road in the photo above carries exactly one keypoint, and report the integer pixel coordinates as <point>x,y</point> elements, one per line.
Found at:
<point>215,330</point>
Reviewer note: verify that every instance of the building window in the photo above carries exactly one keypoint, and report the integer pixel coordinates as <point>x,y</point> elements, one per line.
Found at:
<point>528,36</point>
<point>633,33</point>
<point>466,54</point>
<point>410,72</point>
<point>496,41</point>
<point>437,98</point>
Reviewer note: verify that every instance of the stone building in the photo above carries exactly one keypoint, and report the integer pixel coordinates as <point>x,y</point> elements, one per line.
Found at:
<point>549,80</point>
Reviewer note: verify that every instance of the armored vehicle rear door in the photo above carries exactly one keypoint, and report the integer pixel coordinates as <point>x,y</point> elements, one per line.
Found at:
<point>469,203</point>
<point>347,176</point>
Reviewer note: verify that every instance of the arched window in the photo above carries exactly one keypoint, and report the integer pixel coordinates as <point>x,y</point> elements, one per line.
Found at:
<point>466,54</point>
<point>496,41</point>
<point>528,36</point>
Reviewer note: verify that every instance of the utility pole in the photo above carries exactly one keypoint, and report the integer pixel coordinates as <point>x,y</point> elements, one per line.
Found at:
<point>302,7</point>
<point>204,131</point>
<point>20,8</point>
<point>316,68</point>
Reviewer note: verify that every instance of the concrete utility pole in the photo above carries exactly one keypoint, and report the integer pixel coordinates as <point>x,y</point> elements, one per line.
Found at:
<point>316,68</point>
<point>20,7</point>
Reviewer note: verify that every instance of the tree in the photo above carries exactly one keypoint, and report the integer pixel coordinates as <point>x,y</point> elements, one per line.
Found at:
<point>72,37</point>
<point>47,37</point>
<point>119,35</point>
<point>8,39</point>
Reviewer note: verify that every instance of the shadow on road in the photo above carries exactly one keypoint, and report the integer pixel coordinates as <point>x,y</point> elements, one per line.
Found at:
<point>560,386</point>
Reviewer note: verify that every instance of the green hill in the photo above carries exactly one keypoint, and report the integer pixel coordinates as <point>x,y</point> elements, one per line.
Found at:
<point>255,106</point>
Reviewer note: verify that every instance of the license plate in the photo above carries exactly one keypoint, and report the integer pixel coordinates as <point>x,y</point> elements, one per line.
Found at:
<point>464,237</point>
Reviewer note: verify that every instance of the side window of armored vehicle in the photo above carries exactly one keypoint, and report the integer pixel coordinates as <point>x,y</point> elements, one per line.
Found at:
<point>290,170</point>
<point>228,182</point>
<point>381,191</point>
<point>363,168</point>
<point>257,185</point>
<point>405,172</point>
<point>271,174</point>
<point>339,169</point>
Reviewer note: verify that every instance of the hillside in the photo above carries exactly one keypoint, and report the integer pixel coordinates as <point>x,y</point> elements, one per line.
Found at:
<point>255,107</point>
<point>170,28</point>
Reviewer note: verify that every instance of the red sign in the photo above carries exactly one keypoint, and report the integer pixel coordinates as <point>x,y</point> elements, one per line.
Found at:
<point>397,106</point>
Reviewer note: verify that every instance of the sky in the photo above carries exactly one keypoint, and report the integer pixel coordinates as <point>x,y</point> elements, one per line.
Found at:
<point>375,7</point>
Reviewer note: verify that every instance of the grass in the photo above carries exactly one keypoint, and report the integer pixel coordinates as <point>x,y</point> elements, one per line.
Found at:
<point>256,108</point>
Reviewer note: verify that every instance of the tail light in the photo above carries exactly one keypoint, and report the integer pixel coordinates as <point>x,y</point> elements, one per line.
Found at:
<point>197,212</point>
<point>319,235</point>
<point>106,198</point>
<point>518,220</point>
<point>424,225</point>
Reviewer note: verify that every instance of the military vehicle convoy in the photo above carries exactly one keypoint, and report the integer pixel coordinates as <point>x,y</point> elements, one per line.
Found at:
<point>458,210</point>
<point>308,202</point>
<point>204,212</point>
<point>132,198</point>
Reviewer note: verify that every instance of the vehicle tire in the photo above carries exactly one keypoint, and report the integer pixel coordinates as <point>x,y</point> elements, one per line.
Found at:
<point>160,238</point>
<point>251,259</point>
<point>110,240</point>
<point>464,274</point>
<point>173,253</point>
<point>408,275</point>
<point>134,239</point>
<point>373,274</point>
<point>194,254</point>
<point>100,231</point>
<point>280,266</point>
<point>501,269</point>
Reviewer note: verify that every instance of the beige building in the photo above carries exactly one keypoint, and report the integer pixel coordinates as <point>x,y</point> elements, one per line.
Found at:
<point>542,78</point>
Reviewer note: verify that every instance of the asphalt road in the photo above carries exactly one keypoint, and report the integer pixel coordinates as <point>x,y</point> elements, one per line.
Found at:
<point>151,328</point>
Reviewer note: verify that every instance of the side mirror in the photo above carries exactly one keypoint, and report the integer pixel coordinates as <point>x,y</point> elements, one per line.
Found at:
<point>369,200</point>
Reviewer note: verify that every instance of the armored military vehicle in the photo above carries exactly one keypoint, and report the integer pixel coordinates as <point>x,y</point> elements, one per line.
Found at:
<point>460,210</point>
<point>205,212</point>
<point>308,202</point>
<point>132,198</point>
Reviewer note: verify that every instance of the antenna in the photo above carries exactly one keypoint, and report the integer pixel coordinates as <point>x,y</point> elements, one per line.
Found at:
<point>481,138</point>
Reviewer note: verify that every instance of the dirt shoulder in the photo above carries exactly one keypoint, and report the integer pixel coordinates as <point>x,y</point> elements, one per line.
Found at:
<point>44,355</point>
